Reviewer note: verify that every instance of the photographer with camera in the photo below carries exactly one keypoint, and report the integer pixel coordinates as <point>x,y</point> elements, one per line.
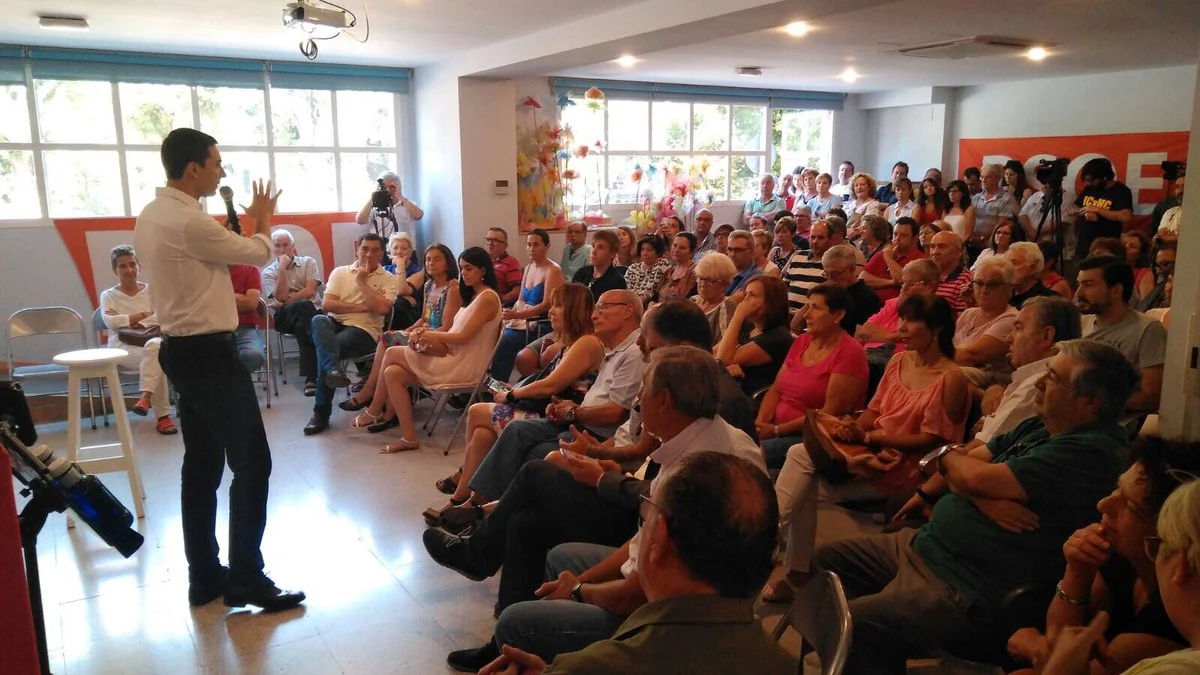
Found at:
<point>1105,205</point>
<point>1173,175</point>
<point>389,203</point>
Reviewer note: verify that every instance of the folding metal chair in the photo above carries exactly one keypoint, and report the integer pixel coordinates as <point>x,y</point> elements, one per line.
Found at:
<point>33,322</point>
<point>266,374</point>
<point>436,414</point>
<point>821,615</point>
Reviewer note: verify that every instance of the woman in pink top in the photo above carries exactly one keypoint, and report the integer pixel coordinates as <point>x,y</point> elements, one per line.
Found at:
<point>921,403</point>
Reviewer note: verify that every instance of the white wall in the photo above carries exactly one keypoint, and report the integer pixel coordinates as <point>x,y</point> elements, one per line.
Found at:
<point>487,124</point>
<point>912,133</point>
<point>439,158</point>
<point>849,135</point>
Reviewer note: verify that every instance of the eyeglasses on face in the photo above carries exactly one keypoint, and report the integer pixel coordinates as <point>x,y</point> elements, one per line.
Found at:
<point>643,499</point>
<point>738,249</point>
<point>494,240</point>
<point>602,306</point>
<point>1152,545</point>
<point>711,280</point>
<point>987,284</point>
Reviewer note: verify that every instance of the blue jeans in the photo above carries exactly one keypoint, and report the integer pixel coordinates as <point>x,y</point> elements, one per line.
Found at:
<point>521,441</point>
<point>775,450</point>
<point>250,348</point>
<point>511,343</point>
<point>335,341</point>
<point>552,627</point>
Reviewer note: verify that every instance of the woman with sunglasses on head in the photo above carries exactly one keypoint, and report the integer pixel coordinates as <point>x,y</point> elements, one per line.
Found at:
<point>1108,567</point>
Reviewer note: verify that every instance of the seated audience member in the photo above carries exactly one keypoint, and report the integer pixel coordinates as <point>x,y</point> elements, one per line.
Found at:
<point>880,334</point>
<point>882,271</point>
<point>766,202</point>
<point>1003,236</point>
<point>679,403</point>
<point>627,246</point>
<point>705,239</point>
<point>887,192</point>
<point>932,202</point>
<point>1138,253</point>
<point>722,237</point>
<point>840,268</point>
<point>1108,246</point>
<point>842,187</point>
<point>922,403</point>
<point>1040,325</point>
<point>357,298</point>
<point>435,357</point>
<point>785,245</point>
<point>599,275</point>
<point>1108,569</point>
<point>803,217</point>
<point>1150,290</point>
<point>805,184</point>
<point>669,227</point>
<point>1050,277</point>
<point>406,310</point>
<point>876,233</point>
<point>756,340</point>
<point>1176,555</point>
<point>741,251</point>
<point>403,209</point>
<point>1027,263</point>
<point>1105,286</point>
<point>981,332</point>
<point>803,269</point>
<point>508,268</point>
<point>576,252</point>
<point>934,174</point>
<point>925,234</point>
<point>819,206</point>
<point>757,221</point>
<point>645,274</point>
<point>247,289</point>
<point>862,203</point>
<point>567,375</point>
<point>960,215</point>
<point>605,405</point>
<point>713,272</point>
<point>904,206</point>
<point>763,242</point>
<point>400,249</point>
<point>441,301</point>
<point>955,281</point>
<point>541,277</point>
<point>679,280</point>
<point>293,299</point>
<point>825,369</point>
<point>706,540</point>
<point>127,305</point>
<point>1163,314</point>
<point>992,204</point>
<point>942,586</point>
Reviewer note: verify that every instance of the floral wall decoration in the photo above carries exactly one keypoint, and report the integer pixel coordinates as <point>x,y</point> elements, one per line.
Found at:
<point>541,150</point>
<point>683,194</point>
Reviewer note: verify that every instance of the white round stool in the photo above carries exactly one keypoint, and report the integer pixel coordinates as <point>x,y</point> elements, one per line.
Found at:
<point>86,364</point>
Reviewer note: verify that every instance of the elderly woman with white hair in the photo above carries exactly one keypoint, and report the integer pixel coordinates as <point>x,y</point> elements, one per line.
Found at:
<point>1027,263</point>
<point>403,209</point>
<point>981,332</point>
<point>713,273</point>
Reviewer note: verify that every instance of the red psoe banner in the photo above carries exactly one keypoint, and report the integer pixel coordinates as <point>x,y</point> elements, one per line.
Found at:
<point>1135,157</point>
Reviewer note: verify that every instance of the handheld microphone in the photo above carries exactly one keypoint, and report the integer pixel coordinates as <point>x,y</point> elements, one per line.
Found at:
<point>230,212</point>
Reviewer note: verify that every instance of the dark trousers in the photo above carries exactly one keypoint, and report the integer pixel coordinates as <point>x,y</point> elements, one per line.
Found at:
<point>334,342</point>
<point>220,421</point>
<point>295,318</point>
<point>542,508</point>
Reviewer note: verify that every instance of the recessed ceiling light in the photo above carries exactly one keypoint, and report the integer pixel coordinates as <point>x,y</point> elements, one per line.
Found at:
<point>49,22</point>
<point>627,60</point>
<point>749,71</point>
<point>1036,53</point>
<point>849,75</point>
<point>797,28</point>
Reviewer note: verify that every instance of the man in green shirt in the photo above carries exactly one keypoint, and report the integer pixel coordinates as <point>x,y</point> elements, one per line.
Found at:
<point>707,542</point>
<point>767,203</point>
<point>1001,513</point>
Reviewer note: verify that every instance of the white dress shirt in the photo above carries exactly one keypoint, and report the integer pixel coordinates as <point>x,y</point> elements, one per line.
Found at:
<point>186,254</point>
<point>123,305</point>
<point>1016,405</point>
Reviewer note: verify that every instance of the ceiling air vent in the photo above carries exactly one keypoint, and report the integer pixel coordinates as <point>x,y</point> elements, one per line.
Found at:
<point>969,47</point>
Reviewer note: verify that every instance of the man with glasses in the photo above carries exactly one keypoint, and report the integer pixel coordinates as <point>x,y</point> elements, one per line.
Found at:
<point>880,334</point>
<point>1105,205</point>
<point>882,272</point>
<point>576,252</point>
<point>1000,514</point>
<point>741,252</point>
<point>507,267</point>
<point>840,266</point>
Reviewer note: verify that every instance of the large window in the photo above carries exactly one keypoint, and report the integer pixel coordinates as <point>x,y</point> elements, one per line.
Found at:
<point>638,144</point>
<point>90,147</point>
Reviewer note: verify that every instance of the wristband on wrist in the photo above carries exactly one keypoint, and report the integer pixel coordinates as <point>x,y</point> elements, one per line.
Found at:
<point>1060,593</point>
<point>925,497</point>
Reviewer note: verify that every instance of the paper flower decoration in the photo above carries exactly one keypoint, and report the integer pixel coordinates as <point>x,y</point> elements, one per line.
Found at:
<point>570,174</point>
<point>564,101</point>
<point>582,151</point>
<point>636,176</point>
<point>531,102</point>
<point>594,94</point>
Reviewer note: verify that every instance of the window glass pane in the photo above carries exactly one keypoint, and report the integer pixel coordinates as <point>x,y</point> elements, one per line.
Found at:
<point>628,125</point>
<point>81,183</point>
<point>241,169</point>
<point>366,118</point>
<point>359,171</point>
<point>233,116</point>
<point>75,112</point>
<point>308,181</point>
<point>18,185</point>
<point>714,176</point>
<point>14,115</point>
<point>145,174</point>
<point>710,127</point>
<point>749,124</point>
<point>151,111</point>
<point>302,117</point>
<point>586,125</point>
<point>672,124</point>
<point>743,184</point>
<point>622,186</point>
<point>585,190</point>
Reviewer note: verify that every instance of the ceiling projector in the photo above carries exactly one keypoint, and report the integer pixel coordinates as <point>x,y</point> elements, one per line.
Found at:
<point>306,15</point>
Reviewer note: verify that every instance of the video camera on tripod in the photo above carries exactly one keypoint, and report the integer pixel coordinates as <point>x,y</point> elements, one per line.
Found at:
<point>1052,171</point>
<point>381,199</point>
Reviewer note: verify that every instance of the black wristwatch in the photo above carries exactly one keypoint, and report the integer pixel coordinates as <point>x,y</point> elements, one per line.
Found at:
<point>570,416</point>
<point>577,592</point>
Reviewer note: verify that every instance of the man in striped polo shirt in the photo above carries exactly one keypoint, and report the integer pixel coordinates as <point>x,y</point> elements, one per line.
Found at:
<point>955,279</point>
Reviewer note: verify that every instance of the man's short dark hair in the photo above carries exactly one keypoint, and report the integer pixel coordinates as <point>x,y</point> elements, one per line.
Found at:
<point>121,251</point>
<point>836,225</point>
<point>971,172</point>
<point>682,322</point>
<point>901,164</point>
<point>501,230</point>
<point>723,518</point>
<point>1108,376</point>
<point>1059,313</point>
<point>847,163</point>
<point>913,227</point>
<point>1097,167</point>
<point>723,227</point>
<point>1168,463</point>
<point>1113,270</point>
<point>540,234</point>
<point>691,238</point>
<point>654,241</point>
<point>837,212</point>
<point>182,147</point>
<point>371,236</point>
<point>609,237</point>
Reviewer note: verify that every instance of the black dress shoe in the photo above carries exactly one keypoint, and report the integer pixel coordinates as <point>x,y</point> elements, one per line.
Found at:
<point>351,405</point>
<point>263,593</point>
<point>389,423</point>
<point>316,424</point>
<point>336,379</point>
<point>203,592</point>
<point>450,551</point>
<point>471,660</point>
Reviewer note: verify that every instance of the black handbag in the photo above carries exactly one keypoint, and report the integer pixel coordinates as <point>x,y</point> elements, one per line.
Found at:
<point>14,409</point>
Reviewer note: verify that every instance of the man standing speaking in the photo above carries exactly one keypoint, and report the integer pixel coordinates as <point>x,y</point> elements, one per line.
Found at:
<point>187,254</point>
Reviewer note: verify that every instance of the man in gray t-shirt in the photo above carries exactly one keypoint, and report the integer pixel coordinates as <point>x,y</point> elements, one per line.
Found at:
<point>1105,286</point>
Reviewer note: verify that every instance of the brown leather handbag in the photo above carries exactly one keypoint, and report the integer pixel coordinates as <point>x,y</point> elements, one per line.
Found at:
<point>138,337</point>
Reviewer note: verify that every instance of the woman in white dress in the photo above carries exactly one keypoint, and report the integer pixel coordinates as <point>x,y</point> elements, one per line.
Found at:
<point>961,215</point>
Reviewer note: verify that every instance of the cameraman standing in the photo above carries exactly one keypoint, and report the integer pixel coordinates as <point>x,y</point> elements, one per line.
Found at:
<point>1105,205</point>
<point>404,210</point>
<point>1173,180</point>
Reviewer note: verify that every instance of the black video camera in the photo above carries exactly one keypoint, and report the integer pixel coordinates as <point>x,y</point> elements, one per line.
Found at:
<point>1173,170</point>
<point>381,199</point>
<point>1053,171</point>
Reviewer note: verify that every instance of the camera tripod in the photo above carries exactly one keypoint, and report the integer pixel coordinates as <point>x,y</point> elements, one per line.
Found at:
<point>1052,210</point>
